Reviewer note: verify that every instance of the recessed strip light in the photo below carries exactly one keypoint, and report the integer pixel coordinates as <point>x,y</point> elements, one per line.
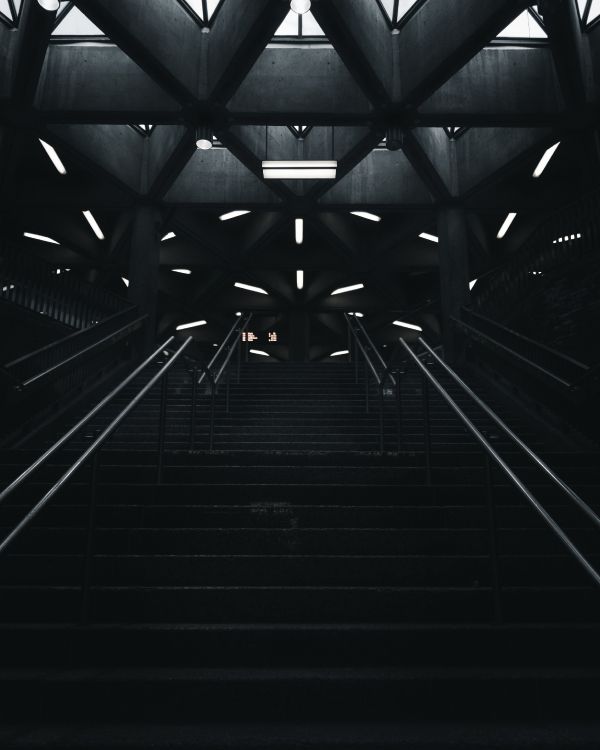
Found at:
<point>300,279</point>
<point>545,160</point>
<point>233,215</point>
<point>344,289</point>
<point>299,223</point>
<point>125,281</point>
<point>299,170</point>
<point>506,225</point>
<point>40,238</point>
<point>472,284</point>
<point>185,271</point>
<point>239,314</point>
<point>250,288</point>
<point>340,353</point>
<point>430,237</point>
<point>54,157</point>
<point>259,352</point>
<point>357,314</point>
<point>94,224</point>
<point>411,326</point>
<point>366,215</point>
<point>195,324</point>
<point>168,236</point>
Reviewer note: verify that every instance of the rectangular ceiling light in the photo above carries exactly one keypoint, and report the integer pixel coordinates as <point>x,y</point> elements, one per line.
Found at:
<point>402,324</point>
<point>344,289</point>
<point>299,231</point>
<point>54,157</point>
<point>430,237</point>
<point>250,288</point>
<point>40,237</point>
<point>545,160</point>
<point>94,224</point>
<point>340,353</point>
<point>185,271</point>
<point>195,324</point>
<point>233,215</point>
<point>299,170</point>
<point>168,236</point>
<point>258,351</point>
<point>506,225</point>
<point>366,215</point>
<point>299,279</point>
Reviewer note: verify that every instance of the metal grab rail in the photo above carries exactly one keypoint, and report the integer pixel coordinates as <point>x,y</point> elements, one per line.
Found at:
<point>237,328</point>
<point>82,422</point>
<point>104,435</point>
<point>503,465</point>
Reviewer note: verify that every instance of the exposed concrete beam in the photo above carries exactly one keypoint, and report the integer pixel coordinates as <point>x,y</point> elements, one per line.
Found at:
<point>169,149</point>
<point>440,38</point>
<point>363,39</point>
<point>33,35</point>
<point>162,38</point>
<point>440,152</point>
<point>425,168</point>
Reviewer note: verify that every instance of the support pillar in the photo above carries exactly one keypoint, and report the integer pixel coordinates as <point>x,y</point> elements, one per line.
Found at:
<point>299,336</point>
<point>144,266</point>
<point>454,275</point>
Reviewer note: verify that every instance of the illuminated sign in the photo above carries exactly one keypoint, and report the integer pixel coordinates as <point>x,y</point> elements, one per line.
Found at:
<point>250,337</point>
<point>272,337</point>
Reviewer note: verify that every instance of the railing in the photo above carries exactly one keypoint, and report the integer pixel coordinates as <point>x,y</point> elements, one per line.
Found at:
<point>553,366</point>
<point>35,285</point>
<point>492,454</point>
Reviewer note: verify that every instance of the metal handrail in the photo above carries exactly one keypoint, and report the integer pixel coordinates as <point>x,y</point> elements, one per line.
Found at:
<point>82,422</point>
<point>115,335</point>
<point>515,438</point>
<point>380,378</point>
<point>104,435</point>
<point>237,327</point>
<point>376,350</point>
<point>504,466</point>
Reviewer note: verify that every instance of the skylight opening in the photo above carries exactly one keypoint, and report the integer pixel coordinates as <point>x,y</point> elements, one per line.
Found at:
<point>250,288</point>
<point>545,160</point>
<point>232,215</point>
<point>194,324</point>
<point>145,130</point>
<point>54,157</point>
<point>93,224</point>
<point>9,12</point>
<point>589,11</point>
<point>344,289</point>
<point>184,271</point>
<point>429,237</point>
<point>455,131</point>
<point>366,215</point>
<point>410,326</point>
<point>299,26</point>
<point>395,12</point>
<point>40,238</point>
<point>204,10</point>
<point>506,225</point>
<point>527,25</point>
<point>72,22</point>
<point>300,131</point>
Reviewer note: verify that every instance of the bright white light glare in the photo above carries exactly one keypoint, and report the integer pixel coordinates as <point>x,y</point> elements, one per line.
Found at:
<point>94,224</point>
<point>340,353</point>
<point>125,281</point>
<point>567,237</point>
<point>204,144</point>
<point>299,231</point>
<point>40,237</point>
<point>233,215</point>
<point>185,271</point>
<point>344,289</point>
<point>8,288</point>
<point>168,236</point>
<point>54,157</point>
<point>258,351</point>
<point>195,324</point>
<point>300,279</point>
<point>366,215</point>
<point>250,288</point>
<point>402,324</point>
<point>50,5</point>
<point>300,6</point>
<point>506,225</point>
<point>545,160</point>
<point>239,314</point>
<point>472,284</point>
<point>299,170</point>
<point>430,237</point>
<point>357,314</point>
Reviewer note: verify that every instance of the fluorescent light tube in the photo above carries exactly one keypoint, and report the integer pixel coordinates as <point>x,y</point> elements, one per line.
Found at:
<point>40,237</point>
<point>340,353</point>
<point>168,236</point>
<point>195,324</point>
<point>299,231</point>
<point>402,324</point>
<point>233,215</point>
<point>299,170</point>
<point>545,160</point>
<point>506,225</point>
<point>430,237</point>
<point>258,351</point>
<point>125,281</point>
<point>366,215</point>
<point>299,279</point>
<point>472,284</point>
<point>344,289</point>
<point>185,271</point>
<point>94,224</point>
<point>250,288</point>
<point>54,157</point>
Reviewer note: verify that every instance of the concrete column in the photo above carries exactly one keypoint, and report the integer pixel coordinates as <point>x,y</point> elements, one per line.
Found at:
<point>144,265</point>
<point>454,274</point>
<point>299,336</point>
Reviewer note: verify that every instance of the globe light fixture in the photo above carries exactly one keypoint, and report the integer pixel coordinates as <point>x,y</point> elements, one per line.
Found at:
<point>300,6</point>
<point>204,138</point>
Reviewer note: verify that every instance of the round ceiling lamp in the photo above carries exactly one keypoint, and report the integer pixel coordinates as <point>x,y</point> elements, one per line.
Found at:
<point>50,5</point>
<point>300,6</point>
<point>204,137</point>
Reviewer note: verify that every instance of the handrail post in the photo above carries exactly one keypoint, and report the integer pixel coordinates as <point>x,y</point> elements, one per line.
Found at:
<point>89,545</point>
<point>366,388</point>
<point>426,430</point>
<point>355,361</point>
<point>239,358</point>
<point>193,408</point>
<point>227,391</point>
<point>381,400</point>
<point>162,423</point>
<point>211,425</point>
<point>398,413</point>
<point>493,533</point>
